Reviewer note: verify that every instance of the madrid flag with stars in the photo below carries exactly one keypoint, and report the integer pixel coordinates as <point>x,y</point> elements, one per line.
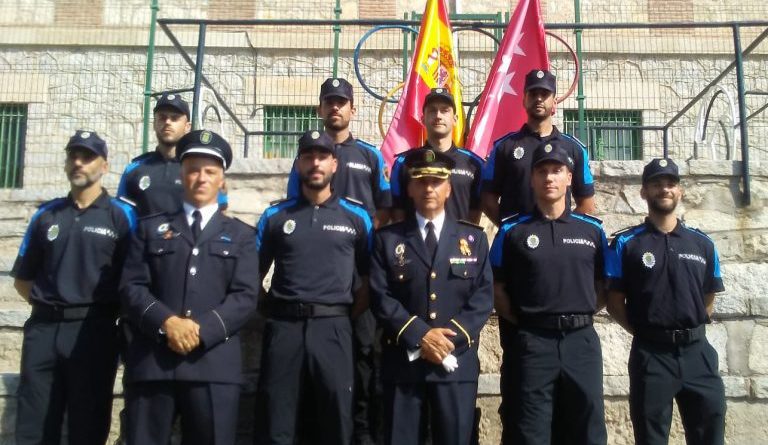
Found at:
<point>433,66</point>
<point>501,106</point>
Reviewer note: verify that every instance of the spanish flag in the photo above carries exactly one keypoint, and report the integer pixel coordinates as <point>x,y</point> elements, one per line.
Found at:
<point>433,66</point>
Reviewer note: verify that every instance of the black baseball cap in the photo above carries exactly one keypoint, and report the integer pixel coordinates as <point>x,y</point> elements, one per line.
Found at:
<point>423,162</point>
<point>89,140</point>
<point>317,139</point>
<point>171,100</point>
<point>540,79</point>
<point>550,151</point>
<point>660,167</point>
<point>205,143</point>
<point>441,94</point>
<point>336,86</point>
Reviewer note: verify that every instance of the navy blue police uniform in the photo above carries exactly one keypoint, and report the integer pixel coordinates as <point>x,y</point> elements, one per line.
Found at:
<point>412,292</point>
<point>507,173</point>
<point>361,176</point>
<point>73,257</point>
<point>549,269</point>
<point>665,278</point>
<point>307,351</point>
<point>152,182</point>
<point>208,277</point>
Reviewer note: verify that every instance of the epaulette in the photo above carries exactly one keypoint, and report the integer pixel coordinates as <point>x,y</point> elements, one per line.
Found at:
<point>510,217</point>
<point>250,227</point>
<point>471,224</point>
<point>153,215</point>
<point>278,201</point>
<point>620,231</point>
<point>142,156</point>
<point>592,217</point>
<point>127,201</point>
<point>366,144</point>
<point>577,140</point>
<point>354,201</point>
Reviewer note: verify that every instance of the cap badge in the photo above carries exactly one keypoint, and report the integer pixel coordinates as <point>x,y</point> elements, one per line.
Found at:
<point>548,148</point>
<point>144,182</point>
<point>519,152</point>
<point>464,247</point>
<point>649,260</point>
<point>663,163</point>
<point>335,83</point>
<point>570,160</point>
<point>53,232</point>
<point>439,90</point>
<point>162,228</point>
<point>85,134</point>
<point>540,74</point>
<point>315,135</point>
<point>289,226</point>
<point>171,97</point>
<point>532,241</point>
<point>429,156</point>
<point>206,137</point>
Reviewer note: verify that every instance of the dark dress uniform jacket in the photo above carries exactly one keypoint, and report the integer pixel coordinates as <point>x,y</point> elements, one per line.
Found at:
<point>411,295</point>
<point>214,282</point>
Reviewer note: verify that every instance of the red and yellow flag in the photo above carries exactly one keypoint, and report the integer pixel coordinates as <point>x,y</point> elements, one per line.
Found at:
<point>433,66</point>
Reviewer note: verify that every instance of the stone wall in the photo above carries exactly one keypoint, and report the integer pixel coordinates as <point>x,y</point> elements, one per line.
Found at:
<point>711,202</point>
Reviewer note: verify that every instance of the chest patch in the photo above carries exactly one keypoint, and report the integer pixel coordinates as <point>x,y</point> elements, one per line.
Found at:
<point>532,241</point>
<point>692,257</point>
<point>53,232</point>
<point>289,226</point>
<point>359,166</point>
<point>102,231</point>
<point>145,182</point>
<point>649,260</point>
<point>339,228</point>
<point>518,153</point>
<point>579,241</point>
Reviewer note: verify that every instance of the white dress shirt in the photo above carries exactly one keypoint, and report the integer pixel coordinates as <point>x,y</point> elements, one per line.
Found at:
<point>437,222</point>
<point>206,212</point>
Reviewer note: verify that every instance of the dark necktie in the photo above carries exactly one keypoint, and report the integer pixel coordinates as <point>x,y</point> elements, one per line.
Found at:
<point>196,225</point>
<point>431,240</point>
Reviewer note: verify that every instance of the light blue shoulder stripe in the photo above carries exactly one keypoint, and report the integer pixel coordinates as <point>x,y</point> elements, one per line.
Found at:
<point>717,272</point>
<point>589,220</point>
<point>122,187</point>
<point>270,212</point>
<point>588,179</point>
<point>129,212</point>
<point>490,166</point>
<point>497,248</point>
<point>50,205</point>
<point>615,264</point>
<point>363,214</point>
<point>394,177</point>
<point>383,183</point>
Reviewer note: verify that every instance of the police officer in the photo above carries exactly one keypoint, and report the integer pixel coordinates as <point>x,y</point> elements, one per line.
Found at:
<point>663,280</point>
<point>548,270</point>
<point>439,117</point>
<point>68,269</point>
<point>187,289</point>
<point>152,181</point>
<point>506,187</point>
<point>361,176</point>
<point>317,242</point>
<point>431,289</point>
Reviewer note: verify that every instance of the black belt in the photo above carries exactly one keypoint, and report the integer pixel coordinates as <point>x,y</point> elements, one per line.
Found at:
<point>58,313</point>
<point>562,322</point>
<point>283,309</point>
<point>671,336</point>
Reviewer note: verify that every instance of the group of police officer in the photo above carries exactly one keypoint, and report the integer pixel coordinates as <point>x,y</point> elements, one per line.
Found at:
<point>184,278</point>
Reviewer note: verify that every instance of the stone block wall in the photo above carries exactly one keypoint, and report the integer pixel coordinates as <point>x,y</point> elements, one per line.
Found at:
<point>711,202</point>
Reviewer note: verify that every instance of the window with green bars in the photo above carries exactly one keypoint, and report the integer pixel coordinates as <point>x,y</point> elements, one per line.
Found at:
<point>287,118</point>
<point>13,128</point>
<point>608,143</point>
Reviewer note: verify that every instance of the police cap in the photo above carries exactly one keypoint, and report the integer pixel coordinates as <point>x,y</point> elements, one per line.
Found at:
<point>88,140</point>
<point>174,101</point>
<point>540,79</point>
<point>205,143</point>
<point>550,151</point>
<point>422,162</point>
<point>660,167</point>
<point>318,140</point>
<point>336,86</point>
<point>439,94</point>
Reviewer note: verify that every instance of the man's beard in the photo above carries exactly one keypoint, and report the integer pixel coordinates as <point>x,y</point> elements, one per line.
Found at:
<point>657,207</point>
<point>307,181</point>
<point>339,125</point>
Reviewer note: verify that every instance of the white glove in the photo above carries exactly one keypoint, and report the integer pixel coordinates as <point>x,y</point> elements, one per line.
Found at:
<point>450,363</point>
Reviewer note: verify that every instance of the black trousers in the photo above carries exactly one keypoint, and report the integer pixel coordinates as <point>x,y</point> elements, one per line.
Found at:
<point>563,370</point>
<point>366,401</point>
<point>659,373</point>
<point>66,366</point>
<point>208,412</point>
<point>450,405</point>
<point>303,360</point>
<point>507,379</point>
